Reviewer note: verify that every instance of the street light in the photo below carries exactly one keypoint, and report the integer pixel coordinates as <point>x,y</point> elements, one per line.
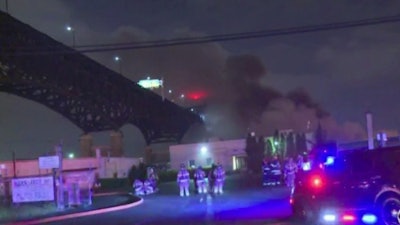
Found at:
<point>182,98</point>
<point>118,59</point>
<point>72,30</point>
<point>203,150</point>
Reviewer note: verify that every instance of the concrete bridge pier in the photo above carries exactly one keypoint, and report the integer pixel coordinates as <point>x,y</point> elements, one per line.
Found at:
<point>85,144</point>
<point>116,143</point>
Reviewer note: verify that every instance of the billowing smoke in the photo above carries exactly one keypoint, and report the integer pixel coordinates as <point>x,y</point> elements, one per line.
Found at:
<point>246,105</point>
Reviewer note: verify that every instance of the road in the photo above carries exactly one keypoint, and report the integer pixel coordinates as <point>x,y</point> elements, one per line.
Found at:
<point>243,202</point>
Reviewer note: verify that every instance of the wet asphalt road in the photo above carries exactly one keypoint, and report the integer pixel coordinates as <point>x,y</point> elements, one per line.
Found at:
<point>243,202</point>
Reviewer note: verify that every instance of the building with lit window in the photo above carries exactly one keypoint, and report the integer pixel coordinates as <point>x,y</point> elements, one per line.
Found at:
<point>230,154</point>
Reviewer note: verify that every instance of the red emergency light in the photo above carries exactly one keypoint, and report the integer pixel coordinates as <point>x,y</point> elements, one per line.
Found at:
<point>316,182</point>
<point>197,95</point>
<point>348,218</point>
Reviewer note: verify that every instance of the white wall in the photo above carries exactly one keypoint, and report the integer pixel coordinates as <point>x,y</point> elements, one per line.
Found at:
<point>106,166</point>
<point>219,151</point>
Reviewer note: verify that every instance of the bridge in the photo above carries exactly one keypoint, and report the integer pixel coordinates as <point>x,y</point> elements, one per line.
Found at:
<point>94,98</point>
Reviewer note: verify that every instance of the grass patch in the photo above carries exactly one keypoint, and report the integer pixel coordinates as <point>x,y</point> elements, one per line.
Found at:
<point>26,211</point>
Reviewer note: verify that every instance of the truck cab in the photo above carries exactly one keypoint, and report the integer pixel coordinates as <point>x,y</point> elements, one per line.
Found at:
<point>358,187</point>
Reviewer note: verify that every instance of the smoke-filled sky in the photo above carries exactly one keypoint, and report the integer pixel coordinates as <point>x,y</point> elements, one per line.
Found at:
<point>262,84</point>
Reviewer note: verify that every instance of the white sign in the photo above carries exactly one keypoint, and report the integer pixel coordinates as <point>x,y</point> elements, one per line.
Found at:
<point>32,189</point>
<point>49,162</point>
<point>153,83</point>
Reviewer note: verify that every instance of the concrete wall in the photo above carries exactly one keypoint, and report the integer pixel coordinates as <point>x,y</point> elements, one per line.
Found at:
<point>22,168</point>
<point>107,167</point>
<point>206,153</point>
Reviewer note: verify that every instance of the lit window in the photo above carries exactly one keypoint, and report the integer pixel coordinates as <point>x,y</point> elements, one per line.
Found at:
<point>209,161</point>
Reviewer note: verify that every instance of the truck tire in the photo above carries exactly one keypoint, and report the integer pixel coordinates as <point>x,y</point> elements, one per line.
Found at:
<point>389,210</point>
<point>304,213</point>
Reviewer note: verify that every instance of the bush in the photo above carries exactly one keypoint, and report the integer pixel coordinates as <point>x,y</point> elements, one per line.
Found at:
<point>167,176</point>
<point>113,183</point>
<point>132,174</point>
<point>137,173</point>
<point>232,172</point>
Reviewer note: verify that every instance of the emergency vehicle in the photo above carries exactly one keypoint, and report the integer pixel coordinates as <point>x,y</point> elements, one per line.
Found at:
<point>352,187</point>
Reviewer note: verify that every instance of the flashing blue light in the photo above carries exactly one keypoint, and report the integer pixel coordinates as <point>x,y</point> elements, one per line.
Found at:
<point>330,160</point>
<point>329,217</point>
<point>369,219</point>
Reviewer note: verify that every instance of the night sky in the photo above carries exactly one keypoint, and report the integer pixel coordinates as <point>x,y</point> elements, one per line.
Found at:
<point>261,84</point>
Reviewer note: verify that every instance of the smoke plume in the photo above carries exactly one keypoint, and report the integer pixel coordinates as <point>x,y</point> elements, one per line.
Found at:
<point>246,105</point>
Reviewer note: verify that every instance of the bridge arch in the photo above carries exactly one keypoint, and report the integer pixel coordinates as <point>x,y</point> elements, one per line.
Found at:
<point>91,96</point>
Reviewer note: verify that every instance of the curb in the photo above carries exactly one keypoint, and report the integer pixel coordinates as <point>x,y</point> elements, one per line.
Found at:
<point>80,214</point>
<point>108,193</point>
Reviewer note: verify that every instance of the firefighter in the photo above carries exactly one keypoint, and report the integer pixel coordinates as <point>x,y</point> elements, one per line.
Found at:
<point>211,177</point>
<point>152,178</point>
<point>138,187</point>
<point>148,188</point>
<point>219,174</point>
<point>290,174</point>
<point>266,172</point>
<point>200,178</point>
<point>183,180</point>
<point>276,171</point>
<point>300,161</point>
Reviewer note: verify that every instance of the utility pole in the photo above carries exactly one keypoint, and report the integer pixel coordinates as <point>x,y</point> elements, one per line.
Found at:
<point>6,6</point>
<point>370,130</point>
<point>72,30</point>
<point>14,164</point>
<point>60,186</point>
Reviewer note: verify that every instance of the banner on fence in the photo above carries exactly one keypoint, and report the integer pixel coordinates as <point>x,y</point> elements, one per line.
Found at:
<point>33,189</point>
